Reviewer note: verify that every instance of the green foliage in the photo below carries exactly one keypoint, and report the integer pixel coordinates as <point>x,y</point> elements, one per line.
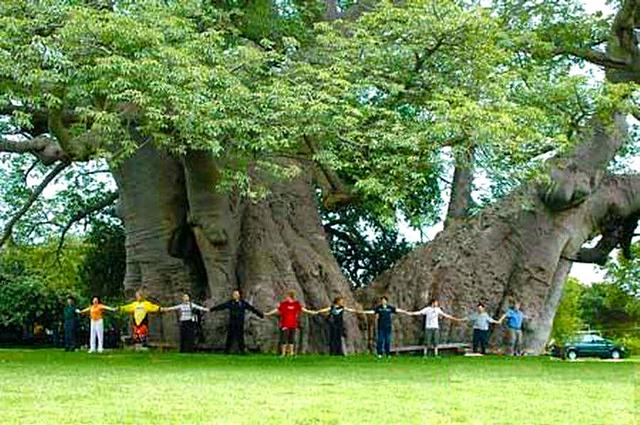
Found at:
<point>209,91</point>
<point>625,273</point>
<point>103,268</point>
<point>605,307</point>
<point>34,284</point>
<point>568,318</point>
<point>80,185</point>
<point>363,246</point>
<point>381,97</point>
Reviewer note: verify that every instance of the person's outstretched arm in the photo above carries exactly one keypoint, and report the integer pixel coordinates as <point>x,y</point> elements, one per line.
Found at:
<point>306,310</point>
<point>271,313</point>
<point>414,313</point>
<point>151,307</point>
<point>225,305</point>
<point>197,307</point>
<point>84,310</point>
<point>172,308</point>
<point>450,317</point>
<point>326,310</point>
<point>254,310</point>
<point>106,307</point>
<point>128,308</point>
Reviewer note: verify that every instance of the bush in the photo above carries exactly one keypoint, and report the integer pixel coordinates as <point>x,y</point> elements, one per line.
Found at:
<point>34,287</point>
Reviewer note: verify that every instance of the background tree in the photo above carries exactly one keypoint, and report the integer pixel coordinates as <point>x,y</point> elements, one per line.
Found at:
<point>568,319</point>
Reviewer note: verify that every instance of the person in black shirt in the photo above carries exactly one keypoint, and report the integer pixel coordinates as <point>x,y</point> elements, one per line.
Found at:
<point>384,312</point>
<point>335,318</point>
<point>70,324</point>
<point>237,308</point>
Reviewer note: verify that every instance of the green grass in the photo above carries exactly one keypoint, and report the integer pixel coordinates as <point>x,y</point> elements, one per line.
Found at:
<point>53,387</point>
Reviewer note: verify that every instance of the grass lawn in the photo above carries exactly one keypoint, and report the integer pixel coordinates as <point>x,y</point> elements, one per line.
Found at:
<point>53,387</point>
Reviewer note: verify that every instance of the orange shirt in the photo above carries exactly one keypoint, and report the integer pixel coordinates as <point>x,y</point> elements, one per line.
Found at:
<point>95,311</point>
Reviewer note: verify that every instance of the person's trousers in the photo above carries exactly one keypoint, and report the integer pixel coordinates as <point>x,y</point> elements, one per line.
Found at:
<point>335,340</point>
<point>187,336</point>
<point>235,336</point>
<point>383,345</point>
<point>480,340</point>
<point>97,333</point>
<point>515,341</point>
<point>70,336</point>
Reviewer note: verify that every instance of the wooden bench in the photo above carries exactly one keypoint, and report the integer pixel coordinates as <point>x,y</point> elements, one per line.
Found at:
<point>448,348</point>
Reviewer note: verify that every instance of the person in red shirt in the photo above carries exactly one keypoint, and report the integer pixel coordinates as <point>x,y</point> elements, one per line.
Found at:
<point>289,310</point>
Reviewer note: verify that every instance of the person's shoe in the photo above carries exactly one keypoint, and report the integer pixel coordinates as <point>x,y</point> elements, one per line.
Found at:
<point>90,351</point>
<point>379,356</point>
<point>100,351</point>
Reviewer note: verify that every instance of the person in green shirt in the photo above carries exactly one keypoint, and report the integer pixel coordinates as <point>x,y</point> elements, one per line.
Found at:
<point>70,324</point>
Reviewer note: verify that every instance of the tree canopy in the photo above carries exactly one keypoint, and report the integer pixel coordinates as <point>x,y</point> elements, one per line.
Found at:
<point>381,99</point>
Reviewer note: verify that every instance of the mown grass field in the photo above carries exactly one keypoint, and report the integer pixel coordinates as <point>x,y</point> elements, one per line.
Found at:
<point>53,387</point>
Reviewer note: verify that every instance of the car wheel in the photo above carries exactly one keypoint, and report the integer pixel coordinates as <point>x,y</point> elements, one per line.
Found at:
<point>572,354</point>
<point>615,354</point>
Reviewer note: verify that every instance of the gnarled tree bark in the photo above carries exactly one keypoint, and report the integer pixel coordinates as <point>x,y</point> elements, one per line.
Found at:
<point>184,235</point>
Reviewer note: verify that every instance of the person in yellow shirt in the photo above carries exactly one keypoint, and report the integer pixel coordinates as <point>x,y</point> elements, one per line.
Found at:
<point>140,309</point>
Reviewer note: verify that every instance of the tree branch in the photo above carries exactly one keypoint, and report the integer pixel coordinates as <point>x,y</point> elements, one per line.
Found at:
<point>45,148</point>
<point>24,146</point>
<point>574,177</point>
<point>620,196</point>
<point>337,192</point>
<point>84,213</point>
<point>595,57</point>
<point>460,201</point>
<point>6,234</point>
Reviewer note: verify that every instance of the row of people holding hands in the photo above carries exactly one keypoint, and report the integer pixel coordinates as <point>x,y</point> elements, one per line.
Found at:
<point>289,310</point>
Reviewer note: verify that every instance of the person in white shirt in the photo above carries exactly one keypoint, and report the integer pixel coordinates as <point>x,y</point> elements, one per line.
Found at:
<point>187,322</point>
<point>433,312</point>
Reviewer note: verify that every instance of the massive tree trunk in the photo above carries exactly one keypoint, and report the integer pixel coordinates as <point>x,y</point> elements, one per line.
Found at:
<point>183,234</point>
<point>518,249</point>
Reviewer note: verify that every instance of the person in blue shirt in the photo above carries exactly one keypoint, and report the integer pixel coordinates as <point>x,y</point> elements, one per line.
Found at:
<point>384,311</point>
<point>514,318</point>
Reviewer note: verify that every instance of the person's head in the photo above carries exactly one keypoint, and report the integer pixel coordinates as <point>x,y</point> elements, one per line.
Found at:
<point>480,307</point>
<point>517,305</point>
<point>338,301</point>
<point>71,300</point>
<point>236,295</point>
<point>433,302</point>
<point>291,295</point>
<point>384,300</point>
<point>139,295</point>
<point>95,300</point>
<point>186,298</point>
